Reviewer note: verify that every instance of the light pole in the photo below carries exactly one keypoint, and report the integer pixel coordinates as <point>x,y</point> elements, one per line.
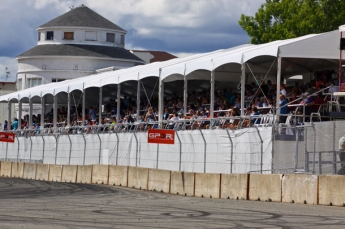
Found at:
<point>7,74</point>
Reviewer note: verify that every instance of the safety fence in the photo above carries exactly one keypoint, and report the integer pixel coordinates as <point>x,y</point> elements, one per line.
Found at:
<point>218,149</point>
<point>310,148</point>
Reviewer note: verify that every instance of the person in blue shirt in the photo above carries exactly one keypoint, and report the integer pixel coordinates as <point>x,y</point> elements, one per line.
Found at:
<point>15,124</point>
<point>284,110</point>
<point>5,125</point>
<point>92,114</point>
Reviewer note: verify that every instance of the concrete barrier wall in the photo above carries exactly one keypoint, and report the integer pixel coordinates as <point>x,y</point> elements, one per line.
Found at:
<point>55,173</point>
<point>84,174</point>
<point>69,173</point>
<point>265,187</point>
<point>332,190</point>
<point>118,175</point>
<point>300,188</point>
<point>17,169</point>
<point>182,183</point>
<point>207,185</point>
<point>42,172</point>
<point>294,188</point>
<point>100,174</point>
<point>29,171</point>
<point>159,180</point>
<point>6,169</point>
<point>138,177</point>
<point>234,186</point>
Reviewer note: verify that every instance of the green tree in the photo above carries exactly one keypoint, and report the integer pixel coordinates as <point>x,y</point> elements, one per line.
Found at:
<point>283,19</point>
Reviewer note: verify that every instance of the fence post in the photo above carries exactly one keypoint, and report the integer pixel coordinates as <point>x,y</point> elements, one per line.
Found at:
<point>180,159</point>
<point>100,148</point>
<point>30,148</point>
<point>70,149</point>
<point>44,144</point>
<point>334,165</point>
<point>84,148</point>
<point>314,147</point>
<point>6,150</point>
<point>232,150</point>
<point>157,159</point>
<point>18,148</point>
<point>203,137</point>
<point>56,148</point>
<point>297,131</point>
<point>306,154</point>
<point>261,148</point>
<point>136,151</point>
<point>117,147</point>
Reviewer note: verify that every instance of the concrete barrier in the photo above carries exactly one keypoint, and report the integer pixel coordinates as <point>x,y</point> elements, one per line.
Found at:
<point>100,174</point>
<point>6,169</point>
<point>207,185</point>
<point>84,174</point>
<point>159,180</point>
<point>55,173</point>
<point>182,183</point>
<point>265,187</point>
<point>69,173</point>
<point>332,190</point>
<point>17,169</point>
<point>29,171</point>
<point>42,172</point>
<point>138,177</point>
<point>300,188</point>
<point>234,186</point>
<point>118,175</point>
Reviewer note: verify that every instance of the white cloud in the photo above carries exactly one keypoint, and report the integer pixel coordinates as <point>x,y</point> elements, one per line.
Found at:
<point>176,26</point>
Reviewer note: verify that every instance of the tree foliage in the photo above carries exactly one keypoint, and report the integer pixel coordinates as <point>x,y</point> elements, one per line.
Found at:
<point>283,19</point>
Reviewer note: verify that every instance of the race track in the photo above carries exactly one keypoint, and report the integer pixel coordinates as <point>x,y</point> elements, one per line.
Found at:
<point>39,204</point>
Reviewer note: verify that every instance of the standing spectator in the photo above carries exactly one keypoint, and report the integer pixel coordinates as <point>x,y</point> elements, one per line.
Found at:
<point>6,125</point>
<point>283,109</point>
<point>15,124</point>
<point>92,113</point>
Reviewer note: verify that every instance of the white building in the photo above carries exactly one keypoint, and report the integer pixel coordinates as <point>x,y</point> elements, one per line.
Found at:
<point>72,45</point>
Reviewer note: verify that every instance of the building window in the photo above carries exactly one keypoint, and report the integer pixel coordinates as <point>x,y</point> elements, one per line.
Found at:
<point>68,35</point>
<point>38,36</point>
<point>57,80</point>
<point>34,82</point>
<point>50,35</point>
<point>111,37</point>
<point>75,67</point>
<point>122,39</point>
<point>19,84</point>
<point>90,36</point>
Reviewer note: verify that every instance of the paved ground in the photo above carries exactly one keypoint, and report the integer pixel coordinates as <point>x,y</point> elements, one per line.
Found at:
<point>37,204</point>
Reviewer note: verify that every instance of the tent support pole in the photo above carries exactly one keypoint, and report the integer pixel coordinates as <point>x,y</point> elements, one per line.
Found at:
<point>55,112</point>
<point>243,84</point>
<point>185,99</point>
<point>278,86</point>
<point>20,109</point>
<point>69,109</point>
<point>160,97</point>
<point>118,107</point>
<point>9,114</point>
<point>100,106</point>
<point>213,76</point>
<point>138,100</point>
<point>83,108</point>
<point>43,111</point>
<point>30,114</point>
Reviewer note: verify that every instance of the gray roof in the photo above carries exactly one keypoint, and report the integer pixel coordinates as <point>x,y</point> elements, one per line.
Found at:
<point>80,50</point>
<point>82,16</point>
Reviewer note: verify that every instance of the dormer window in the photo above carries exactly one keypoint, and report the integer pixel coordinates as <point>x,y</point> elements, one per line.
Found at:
<point>122,39</point>
<point>50,35</point>
<point>68,35</point>
<point>111,37</point>
<point>38,36</point>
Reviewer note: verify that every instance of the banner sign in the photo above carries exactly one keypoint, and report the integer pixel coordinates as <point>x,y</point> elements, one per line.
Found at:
<point>7,137</point>
<point>161,136</point>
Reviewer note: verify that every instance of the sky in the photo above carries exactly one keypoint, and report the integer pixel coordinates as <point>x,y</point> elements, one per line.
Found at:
<point>180,27</point>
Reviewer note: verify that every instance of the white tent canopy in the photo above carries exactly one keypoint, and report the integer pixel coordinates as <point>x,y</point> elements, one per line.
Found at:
<point>314,46</point>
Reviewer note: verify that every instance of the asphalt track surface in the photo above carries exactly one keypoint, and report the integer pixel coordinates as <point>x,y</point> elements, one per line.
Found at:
<point>39,204</point>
